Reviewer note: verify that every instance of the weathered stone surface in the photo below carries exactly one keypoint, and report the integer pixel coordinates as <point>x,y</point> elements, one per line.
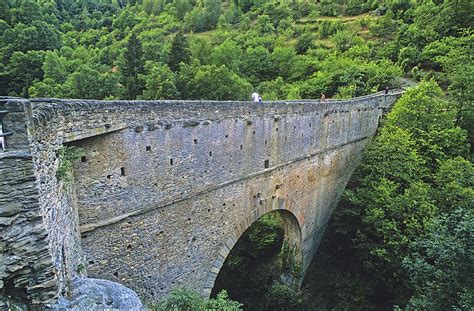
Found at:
<point>165,189</point>
<point>97,294</point>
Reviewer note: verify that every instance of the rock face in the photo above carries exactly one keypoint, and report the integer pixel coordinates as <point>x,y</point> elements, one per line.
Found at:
<point>97,294</point>
<point>26,267</point>
<point>163,190</point>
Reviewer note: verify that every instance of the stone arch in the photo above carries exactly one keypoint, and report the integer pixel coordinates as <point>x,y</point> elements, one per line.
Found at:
<point>293,236</point>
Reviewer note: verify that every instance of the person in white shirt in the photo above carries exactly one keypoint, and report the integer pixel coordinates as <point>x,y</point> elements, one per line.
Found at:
<point>256,98</point>
<point>3,143</point>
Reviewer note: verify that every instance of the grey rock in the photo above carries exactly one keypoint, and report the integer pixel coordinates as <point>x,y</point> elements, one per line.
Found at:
<point>10,209</point>
<point>97,294</point>
<point>191,123</point>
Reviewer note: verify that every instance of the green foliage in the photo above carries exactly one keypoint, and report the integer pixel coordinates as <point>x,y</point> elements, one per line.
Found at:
<point>203,16</point>
<point>345,39</point>
<point>112,42</point>
<point>391,241</point>
<point>228,54</point>
<point>454,181</point>
<point>186,300</point>
<point>282,297</point>
<point>429,118</point>
<point>305,42</point>
<point>413,177</point>
<point>254,264</point>
<point>179,51</point>
<point>385,27</point>
<point>211,82</point>
<point>133,68</point>
<point>265,234</point>
<point>441,267</point>
<point>66,156</point>
<point>22,71</point>
<point>160,82</point>
<point>336,74</point>
<point>290,261</point>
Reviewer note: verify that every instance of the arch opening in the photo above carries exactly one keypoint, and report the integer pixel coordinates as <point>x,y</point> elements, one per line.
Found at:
<point>266,258</point>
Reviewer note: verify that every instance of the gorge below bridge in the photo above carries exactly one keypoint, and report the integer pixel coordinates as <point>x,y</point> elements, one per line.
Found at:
<point>163,190</point>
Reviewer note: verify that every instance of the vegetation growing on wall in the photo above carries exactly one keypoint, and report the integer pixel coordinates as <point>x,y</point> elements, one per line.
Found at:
<point>66,157</point>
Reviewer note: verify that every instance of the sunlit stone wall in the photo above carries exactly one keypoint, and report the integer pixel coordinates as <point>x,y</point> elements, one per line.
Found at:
<point>163,190</point>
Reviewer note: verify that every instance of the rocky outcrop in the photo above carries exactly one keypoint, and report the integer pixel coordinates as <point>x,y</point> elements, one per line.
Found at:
<point>97,294</point>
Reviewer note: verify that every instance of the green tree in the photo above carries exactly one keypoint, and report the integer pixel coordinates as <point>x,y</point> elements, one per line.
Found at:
<point>212,82</point>
<point>160,82</point>
<point>186,300</point>
<point>345,39</point>
<point>257,64</point>
<point>133,67</point>
<point>54,67</point>
<point>229,54</point>
<point>428,117</point>
<point>182,7</point>
<point>441,266</point>
<point>201,50</point>
<point>179,51</point>
<point>22,71</point>
<point>282,60</point>
<point>395,197</point>
<point>304,43</point>
<point>83,83</point>
<point>454,182</point>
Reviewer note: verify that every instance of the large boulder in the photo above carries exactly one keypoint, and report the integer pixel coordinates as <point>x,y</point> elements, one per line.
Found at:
<point>97,294</point>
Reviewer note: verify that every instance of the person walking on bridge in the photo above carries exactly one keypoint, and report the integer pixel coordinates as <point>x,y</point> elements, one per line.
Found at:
<point>323,97</point>
<point>256,98</point>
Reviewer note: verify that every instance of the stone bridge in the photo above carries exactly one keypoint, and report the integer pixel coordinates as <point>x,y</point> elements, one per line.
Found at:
<point>162,190</point>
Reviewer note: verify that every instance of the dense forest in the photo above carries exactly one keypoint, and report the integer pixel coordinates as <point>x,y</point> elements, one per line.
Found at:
<point>403,235</point>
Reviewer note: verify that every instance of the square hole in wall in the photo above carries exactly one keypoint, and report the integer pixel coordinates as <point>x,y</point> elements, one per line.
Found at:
<point>267,164</point>
<point>171,161</point>
<point>148,148</point>
<point>83,159</point>
<point>122,171</point>
<point>195,141</point>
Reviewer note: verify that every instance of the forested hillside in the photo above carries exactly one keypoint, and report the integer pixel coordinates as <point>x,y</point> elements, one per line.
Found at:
<point>403,235</point>
<point>155,49</point>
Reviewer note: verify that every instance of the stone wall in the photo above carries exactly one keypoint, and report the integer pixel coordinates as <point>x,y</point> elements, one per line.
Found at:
<point>164,189</point>
<point>26,268</point>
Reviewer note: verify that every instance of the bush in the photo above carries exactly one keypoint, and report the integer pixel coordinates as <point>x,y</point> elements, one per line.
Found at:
<point>188,300</point>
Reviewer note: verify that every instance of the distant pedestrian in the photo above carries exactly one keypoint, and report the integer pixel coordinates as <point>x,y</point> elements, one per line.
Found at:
<point>323,97</point>
<point>256,98</point>
<point>386,90</point>
<point>3,144</point>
